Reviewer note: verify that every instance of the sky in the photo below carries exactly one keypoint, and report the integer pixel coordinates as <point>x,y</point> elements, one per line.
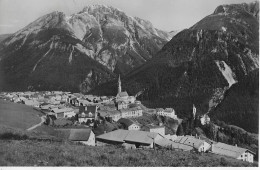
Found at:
<point>167,15</point>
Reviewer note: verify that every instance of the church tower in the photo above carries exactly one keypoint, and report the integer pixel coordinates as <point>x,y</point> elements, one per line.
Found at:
<point>119,85</point>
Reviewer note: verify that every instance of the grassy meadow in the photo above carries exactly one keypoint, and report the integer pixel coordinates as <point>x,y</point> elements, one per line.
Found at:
<point>39,153</point>
<point>17,116</point>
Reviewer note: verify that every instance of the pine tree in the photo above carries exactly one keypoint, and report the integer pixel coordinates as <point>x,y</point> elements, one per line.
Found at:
<point>180,131</point>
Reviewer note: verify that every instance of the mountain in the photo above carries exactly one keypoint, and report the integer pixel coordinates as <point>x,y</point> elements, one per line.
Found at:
<point>199,64</point>
<point>3,37</point>
<point>173,33</point>
<point>77,52</point>
<point>240,105</point>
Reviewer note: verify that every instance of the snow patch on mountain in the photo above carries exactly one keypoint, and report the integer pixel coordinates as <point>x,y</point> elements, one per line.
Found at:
<point>51,46</point>
<point>226,72</point>
<point>70,58</point>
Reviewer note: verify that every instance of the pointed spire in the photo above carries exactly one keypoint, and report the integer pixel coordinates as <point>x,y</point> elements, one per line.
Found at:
<point>119,85</point>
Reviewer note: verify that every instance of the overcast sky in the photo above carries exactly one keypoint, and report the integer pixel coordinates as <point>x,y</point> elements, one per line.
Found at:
<point>167,15</point>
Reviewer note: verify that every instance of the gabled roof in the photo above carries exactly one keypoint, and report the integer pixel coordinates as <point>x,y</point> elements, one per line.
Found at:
<point>127,122</point>
<point>117,135</point>
<point>168,143</point>
<point>159,109</point>
<point>228,150</point>
<point>64,110</point>
<point>141,136</point>
<point>169,110</point>
<point>129,135</point>
<point>122,94</point>
<point>91,109</point>
<point>164,142</point>
<point>190,141</point>
<point>86,110</point>
<point>79,134</point>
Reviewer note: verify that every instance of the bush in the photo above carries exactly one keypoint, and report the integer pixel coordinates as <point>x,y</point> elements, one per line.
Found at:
<point>223,161</point>
<point>12,136</point>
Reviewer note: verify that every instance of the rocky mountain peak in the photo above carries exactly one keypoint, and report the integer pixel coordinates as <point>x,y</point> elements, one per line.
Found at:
<point>104,36</point>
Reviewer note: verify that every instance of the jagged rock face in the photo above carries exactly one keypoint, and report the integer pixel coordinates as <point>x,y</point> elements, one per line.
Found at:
<point>201,63</point>
<point>77,51</point>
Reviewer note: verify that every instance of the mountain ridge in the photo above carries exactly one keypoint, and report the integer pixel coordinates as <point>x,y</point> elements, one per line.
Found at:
<point>105,36</point>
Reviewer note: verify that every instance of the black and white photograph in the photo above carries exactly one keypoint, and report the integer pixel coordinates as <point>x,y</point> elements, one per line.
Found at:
<point>129,83</point>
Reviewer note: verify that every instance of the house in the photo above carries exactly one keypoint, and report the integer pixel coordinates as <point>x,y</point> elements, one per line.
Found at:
<point>33,103</point>
<point>154,128</point>
<point>131,112</point>
<point>169,112</point>
<point>160,111</point>
<point>63,113</point>
<point>166,143</point>
<point>121,105</point>
<point>84,136</point>
<point>140,139</point>
<point>205,119</point>
<point>129,124</point>
<point>233,151</point>
<point>111,115</point>
<point>115,115</point>
<point>105,99</point>
<point>74,101</point>
<point>87,113</point>
<point>197,144</point>
<point>107,107</point>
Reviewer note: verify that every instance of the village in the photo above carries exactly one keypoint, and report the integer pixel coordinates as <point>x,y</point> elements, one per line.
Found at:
<point>114,120</point>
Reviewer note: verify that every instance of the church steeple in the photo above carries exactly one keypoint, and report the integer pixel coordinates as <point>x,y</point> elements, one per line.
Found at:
<point>119,85</point>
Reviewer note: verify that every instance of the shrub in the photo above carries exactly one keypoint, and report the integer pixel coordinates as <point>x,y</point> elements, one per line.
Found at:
<point>223,161</point>
<point>10,135</point>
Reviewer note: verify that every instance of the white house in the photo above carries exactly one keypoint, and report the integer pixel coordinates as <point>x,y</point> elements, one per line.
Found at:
<point>196,143</point>
<point>63,113</point>
<point>205,119</point>
<point>169,112</point>
<point>129,124</point>
<point>233,151</point>
<point>160,111</point>
<point>131,112</point>
<point>84,136</point>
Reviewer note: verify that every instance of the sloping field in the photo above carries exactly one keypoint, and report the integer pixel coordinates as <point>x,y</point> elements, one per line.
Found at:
<point>17,115</point>
<point>31,153</point>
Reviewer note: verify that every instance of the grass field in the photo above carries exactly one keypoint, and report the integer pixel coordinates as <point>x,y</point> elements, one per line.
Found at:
<point>17,115</point>
<point>35,153</point>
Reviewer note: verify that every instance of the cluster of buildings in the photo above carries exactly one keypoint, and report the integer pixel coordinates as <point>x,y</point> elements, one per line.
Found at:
<point>135,139</point>
<point>122,109</point>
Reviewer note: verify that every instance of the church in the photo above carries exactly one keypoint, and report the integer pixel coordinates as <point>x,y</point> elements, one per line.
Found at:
<point>123,96</point>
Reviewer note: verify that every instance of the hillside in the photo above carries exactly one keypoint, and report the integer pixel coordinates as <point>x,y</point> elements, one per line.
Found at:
<point>240,105</point>
<point>31,153</point>
<point>77,52</point>
<point>199,64</point>
<point>17,116</point>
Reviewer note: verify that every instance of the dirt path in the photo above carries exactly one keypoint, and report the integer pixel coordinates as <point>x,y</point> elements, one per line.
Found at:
<point>39,124</point>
